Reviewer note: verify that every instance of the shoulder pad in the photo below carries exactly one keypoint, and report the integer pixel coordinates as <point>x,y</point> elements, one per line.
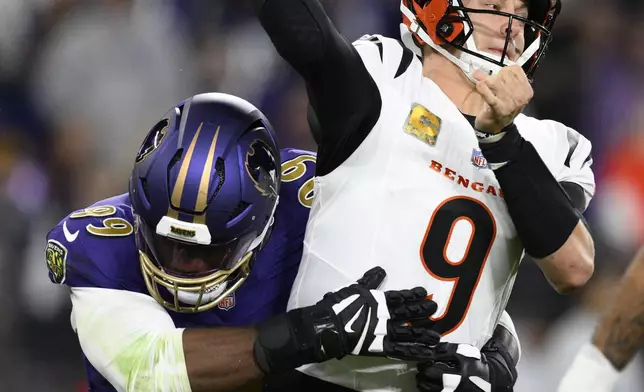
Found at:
<point>95,247</point>
<point>298,172</point>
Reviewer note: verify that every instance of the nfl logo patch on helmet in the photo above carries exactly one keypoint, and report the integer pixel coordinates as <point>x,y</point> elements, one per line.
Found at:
<point>227,303</point>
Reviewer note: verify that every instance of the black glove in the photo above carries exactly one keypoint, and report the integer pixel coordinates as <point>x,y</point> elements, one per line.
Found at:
<point>463,368</point>
<point>357,320</point>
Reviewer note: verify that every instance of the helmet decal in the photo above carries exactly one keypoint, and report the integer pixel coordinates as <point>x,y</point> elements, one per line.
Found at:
<point>153,140</point>
<point>261,167</point>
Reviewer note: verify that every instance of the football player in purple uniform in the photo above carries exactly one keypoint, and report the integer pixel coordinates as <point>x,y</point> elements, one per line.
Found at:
<point>181,284</point>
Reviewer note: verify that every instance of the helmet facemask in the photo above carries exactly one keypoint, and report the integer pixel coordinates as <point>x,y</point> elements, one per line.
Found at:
<point>454,30</point>
<point>194,292</point>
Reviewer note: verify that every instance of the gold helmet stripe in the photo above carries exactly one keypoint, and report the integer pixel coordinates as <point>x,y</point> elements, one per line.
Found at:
<point>202,196</point>
<point>177,191</point>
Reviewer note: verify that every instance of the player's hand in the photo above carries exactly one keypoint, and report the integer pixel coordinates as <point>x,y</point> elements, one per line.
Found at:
<point>506,94</point>
<point>355,320</point>
<point>375,323</point>
<point>455,367</point>
<point>463,368</point>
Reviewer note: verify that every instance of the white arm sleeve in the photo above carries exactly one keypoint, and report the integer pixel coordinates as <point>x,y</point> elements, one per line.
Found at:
<point>130,339</point>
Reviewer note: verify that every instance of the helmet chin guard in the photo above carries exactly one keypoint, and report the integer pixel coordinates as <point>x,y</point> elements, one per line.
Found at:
<point>445,24</point>
<point>201,293</point>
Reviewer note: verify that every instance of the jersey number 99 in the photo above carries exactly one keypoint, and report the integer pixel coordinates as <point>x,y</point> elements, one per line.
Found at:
<point>111,227</point>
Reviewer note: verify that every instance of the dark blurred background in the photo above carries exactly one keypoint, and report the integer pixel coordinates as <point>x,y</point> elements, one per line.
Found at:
<point>82,81</point>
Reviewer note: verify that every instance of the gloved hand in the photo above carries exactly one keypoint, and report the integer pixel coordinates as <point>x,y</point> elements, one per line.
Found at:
<point>355,320</point>
<point>463,368</point>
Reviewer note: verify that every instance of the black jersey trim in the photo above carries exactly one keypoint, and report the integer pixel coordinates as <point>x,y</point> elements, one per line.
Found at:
<point>381,49</point>
<point>573,141</point>
<point>405,61</point>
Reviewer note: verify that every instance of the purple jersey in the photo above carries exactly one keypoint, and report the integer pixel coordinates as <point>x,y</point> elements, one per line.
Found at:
<point>95,247</point>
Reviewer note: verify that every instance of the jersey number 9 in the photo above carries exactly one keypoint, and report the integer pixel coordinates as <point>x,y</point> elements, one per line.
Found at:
<point>466,272</point>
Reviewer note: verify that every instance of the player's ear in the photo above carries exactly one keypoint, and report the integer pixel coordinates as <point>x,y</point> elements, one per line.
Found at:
<point>373,278</point>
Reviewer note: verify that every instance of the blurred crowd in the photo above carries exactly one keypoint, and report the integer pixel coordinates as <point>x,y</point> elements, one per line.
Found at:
<point>82,81</point>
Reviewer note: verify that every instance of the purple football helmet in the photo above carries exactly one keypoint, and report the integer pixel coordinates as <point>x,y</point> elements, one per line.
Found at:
<point>204,189</point>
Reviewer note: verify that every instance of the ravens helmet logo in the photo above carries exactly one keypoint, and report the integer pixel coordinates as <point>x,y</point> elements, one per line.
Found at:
<point>153,140</point>
<point>261,167</point>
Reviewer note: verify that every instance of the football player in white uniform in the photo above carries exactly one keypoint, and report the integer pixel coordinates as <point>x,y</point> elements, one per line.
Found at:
<point>618,337</point>
<point>427,167</point>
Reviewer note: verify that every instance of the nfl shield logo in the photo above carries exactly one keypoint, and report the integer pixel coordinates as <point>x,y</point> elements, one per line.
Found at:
<point>227,303</point>
<point>478,159</point>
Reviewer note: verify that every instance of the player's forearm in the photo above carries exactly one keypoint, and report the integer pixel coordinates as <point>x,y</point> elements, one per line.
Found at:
<point>571,265</point>
<point>620,333</point>
<point>220,359</point>
<point>223,359</point>
<point>548,224</point>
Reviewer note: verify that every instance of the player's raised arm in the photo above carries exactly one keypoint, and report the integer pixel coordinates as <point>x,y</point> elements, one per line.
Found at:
<point>547,217</point>
<point>342,93</point>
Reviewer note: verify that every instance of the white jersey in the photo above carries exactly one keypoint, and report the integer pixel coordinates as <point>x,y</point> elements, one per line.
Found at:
<point>417,199</point>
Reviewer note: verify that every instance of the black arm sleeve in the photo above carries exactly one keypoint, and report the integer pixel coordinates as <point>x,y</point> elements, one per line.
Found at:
<point>543,213</point>
<point>344,98</point>
<point>576,194</point>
